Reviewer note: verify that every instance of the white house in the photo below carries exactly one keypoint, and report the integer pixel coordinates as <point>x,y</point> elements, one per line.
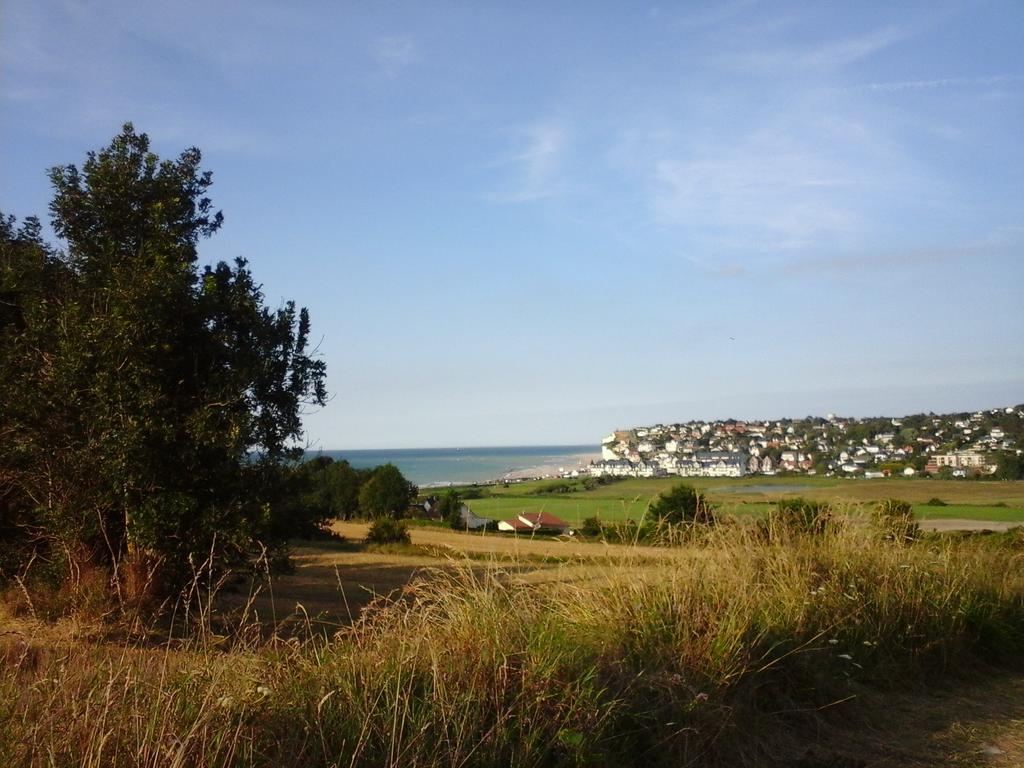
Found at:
<point>472,521</point>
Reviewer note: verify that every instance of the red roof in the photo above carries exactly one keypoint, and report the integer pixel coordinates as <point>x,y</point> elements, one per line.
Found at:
<point>518,524</point>
<point>543,520</point>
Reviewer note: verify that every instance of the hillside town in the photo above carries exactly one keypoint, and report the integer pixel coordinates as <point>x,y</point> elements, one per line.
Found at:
<point>952,445</point>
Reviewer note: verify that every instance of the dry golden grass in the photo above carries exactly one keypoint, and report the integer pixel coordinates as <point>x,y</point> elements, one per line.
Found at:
<point>737,652</point>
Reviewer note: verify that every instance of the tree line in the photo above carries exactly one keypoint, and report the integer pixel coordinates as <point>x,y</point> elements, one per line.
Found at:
<point>326,489</point>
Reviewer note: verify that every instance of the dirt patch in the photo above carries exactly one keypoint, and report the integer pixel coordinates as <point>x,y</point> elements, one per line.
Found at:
<point>330,586</point>
<point>955,724</point>
<point>960,524</point>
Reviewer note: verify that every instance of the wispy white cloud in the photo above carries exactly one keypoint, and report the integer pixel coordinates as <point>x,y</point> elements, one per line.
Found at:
<point>537,165</point>
<point>821,173</point>
<point>395,54</point>
<point>760,194</point>
<point>942,82</point>
<point>822,56</point>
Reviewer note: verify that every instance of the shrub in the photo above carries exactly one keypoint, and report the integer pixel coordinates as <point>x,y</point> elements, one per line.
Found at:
<point>683,504</point>
<point>387,530</point>
<point>591,527</point>
<point>935,502</point>
<point>895,520</point>
<point>560,487</point>
<point>590,483</point>
<point>801,516</point>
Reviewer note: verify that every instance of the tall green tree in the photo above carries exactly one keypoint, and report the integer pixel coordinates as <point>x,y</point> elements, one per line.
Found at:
<point>450,509</point>
<point>387,493</point>
<point>153,404</point>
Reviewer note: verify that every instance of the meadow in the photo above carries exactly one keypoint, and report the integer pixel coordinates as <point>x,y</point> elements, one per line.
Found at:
<point>732,649</point>
<point>1001,502</point>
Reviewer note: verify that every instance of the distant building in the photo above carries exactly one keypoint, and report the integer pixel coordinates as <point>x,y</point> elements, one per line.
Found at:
<point>535,522</point>
<point>965,459</point>
<point>472,521</point>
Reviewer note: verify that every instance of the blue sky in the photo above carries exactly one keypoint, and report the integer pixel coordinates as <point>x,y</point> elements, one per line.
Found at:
<point>535,222</point>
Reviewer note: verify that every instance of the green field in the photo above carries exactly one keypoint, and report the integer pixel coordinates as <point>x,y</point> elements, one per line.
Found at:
<point>754,496</point>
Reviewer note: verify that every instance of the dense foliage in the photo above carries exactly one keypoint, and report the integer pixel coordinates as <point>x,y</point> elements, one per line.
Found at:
<point>450,508</point>
<point>1009,466</point>
<point>328,489</point>
<point>387,493</point>
<point>798,515</point>
<point>682,504</point>
<point>147,405</point>
<point>388,530</point>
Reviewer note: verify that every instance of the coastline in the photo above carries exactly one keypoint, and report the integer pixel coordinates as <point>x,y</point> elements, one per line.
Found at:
<point>447,467</point>
<point>545,471</point>
<point>577,461</point>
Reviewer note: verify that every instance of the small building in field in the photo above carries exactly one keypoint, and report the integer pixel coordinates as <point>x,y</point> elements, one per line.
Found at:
<point>472,521</point>
<point>535,522</point>
<point>515,525</point>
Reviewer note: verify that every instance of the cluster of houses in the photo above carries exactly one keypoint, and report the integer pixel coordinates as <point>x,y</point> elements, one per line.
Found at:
<point>697,464</point>
<point>966,443</point>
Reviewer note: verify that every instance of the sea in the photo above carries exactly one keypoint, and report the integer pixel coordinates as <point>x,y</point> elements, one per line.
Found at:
<point>435,467</point>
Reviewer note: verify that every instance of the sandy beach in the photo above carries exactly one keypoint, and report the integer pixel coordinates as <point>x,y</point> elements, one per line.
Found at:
<point>578,461</point>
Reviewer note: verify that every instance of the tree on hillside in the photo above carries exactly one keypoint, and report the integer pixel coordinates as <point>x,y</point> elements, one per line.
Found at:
<point>1009,466</point>
<point>450,508</point>
<point>386,493</point>
<point>147,406</point>
<point>682,504</point>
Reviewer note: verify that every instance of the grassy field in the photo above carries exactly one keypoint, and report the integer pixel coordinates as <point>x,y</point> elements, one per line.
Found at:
<point>490,650</point>
<point>995,501</point>
<point>495,651</point>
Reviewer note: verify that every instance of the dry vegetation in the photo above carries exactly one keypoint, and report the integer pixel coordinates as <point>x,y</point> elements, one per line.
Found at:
<point>733,651</point>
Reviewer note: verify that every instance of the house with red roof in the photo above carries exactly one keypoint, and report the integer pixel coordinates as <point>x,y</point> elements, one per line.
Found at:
<point>535,522</point>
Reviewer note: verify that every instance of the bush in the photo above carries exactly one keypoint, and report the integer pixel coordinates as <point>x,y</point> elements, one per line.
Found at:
<point>935,502</point>
<point>801,516</point>
<point>591,527</point>
<point>560,487</point>
<point>387,530</point>
<point>683,504</point>
<point>895,520</point>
